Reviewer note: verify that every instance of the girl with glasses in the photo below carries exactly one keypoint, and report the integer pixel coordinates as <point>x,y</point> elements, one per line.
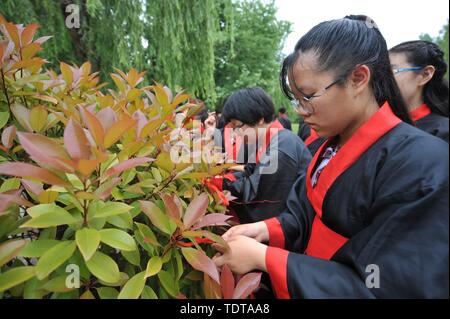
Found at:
<point>419,69</point>
<point>370,218</point>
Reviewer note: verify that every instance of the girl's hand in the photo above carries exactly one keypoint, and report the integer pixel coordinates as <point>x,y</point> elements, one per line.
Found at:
<point>245,254</point>
<point>258,231</point>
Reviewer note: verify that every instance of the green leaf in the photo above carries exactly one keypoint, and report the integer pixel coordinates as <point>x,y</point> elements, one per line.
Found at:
<point>111,209</point>
<point>148,293</point>
<point>107,293</point>
<point>32,289</point>
<point>103,267</point>
<point>169,283</point>
<point>158,218</point>
<point>133,288</point>
<point>4,117</point>
<point>38,247</point>
<point>123,221</point>
<point>87,241</point>
<point>154,265</point>
<point>54,258</point>
<point>147,234</point>
<point>48,215</point>
<point>10,249</point>
<point>10,184</point>
<point>117,239</point>
<point>16,276</point>
<point>57,284</point>
<point>133,256</point>
<point>49,220</point>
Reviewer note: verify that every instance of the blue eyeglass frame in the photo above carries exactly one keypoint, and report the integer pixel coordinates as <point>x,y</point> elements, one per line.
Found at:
<point>410,68</point>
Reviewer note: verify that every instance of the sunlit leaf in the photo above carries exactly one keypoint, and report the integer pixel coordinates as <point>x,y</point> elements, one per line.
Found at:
<point>118,239</point>
<point>133,288</point>
<point>87,241</point>
<point>54,258</point>
<point>15,276</point>
<point>154,265</point>
<point>103,267</point>
<point>38,118</point>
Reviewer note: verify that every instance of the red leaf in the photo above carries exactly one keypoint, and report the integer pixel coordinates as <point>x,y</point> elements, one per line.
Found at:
<point>94,126</point>
<point>8,136</point>
<point>119,168</point>
<point>107,117</point>
<point>227,282</point>
<point>32,187</point>
<point>172,209</point>
<point>43,39</point>
<point>116,131</point>
<point>76,142</point>
<point>196,210</point>
<point>30,171</point>
<point>46,152</point>
<point>142,121</point>
<point>215,219</point>
<point>6,199</point>
<point>199,261</point>
<point>247,285</point>
<point>28,33</point>
<point>104,191</point>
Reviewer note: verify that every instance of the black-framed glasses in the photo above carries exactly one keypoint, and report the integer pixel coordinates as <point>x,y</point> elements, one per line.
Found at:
<point>410,68</point>
<point>305,104</point>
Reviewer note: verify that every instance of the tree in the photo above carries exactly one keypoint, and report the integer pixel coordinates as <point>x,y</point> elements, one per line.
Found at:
<point>251,56</point>
<point>208,47</point>
<point>441,40</point>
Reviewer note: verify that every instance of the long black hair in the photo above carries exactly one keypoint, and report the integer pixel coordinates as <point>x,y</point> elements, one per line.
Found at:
<point>423,53</point>
<point>249,106</point>
<point>340,46</point>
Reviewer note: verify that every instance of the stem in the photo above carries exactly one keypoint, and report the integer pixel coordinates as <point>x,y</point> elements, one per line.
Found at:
<point>4,88</point>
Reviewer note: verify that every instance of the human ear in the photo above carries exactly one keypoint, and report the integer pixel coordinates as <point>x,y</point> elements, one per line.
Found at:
<point>360,77</point>
<point>427,74</point>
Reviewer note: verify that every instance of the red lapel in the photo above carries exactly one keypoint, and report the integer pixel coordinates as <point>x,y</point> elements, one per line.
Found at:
<point>274,128</point>
<point>370,132</point>
<point>311,138</point>
<point>420,112</point>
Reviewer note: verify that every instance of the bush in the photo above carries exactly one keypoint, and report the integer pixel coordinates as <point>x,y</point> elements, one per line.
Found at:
<point>89,188</point>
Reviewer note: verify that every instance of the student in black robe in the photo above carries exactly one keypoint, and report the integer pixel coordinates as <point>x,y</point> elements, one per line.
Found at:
<point>370,220</point>
<point>277,157</point>
<point>419,68</point>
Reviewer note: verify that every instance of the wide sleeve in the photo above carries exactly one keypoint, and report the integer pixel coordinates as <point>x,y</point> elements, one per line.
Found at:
<point>401,253</point>
<point>291,229</point>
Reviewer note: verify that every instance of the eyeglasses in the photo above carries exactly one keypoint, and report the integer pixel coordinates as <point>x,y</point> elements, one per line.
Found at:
<point>305,103</point>
<point>411,68</point>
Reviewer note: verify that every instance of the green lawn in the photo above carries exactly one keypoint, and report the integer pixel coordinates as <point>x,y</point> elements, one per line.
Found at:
<point>295,127</point>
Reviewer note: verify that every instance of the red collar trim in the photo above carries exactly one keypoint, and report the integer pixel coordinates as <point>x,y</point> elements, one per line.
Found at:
<point>378,125</point>
<point>274,128</point>
<point>420,112</point>
<point>311,138</point>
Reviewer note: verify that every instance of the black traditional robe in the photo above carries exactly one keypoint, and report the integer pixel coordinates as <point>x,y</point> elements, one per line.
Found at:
<point>429,122</point>
<point>380,207</point>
